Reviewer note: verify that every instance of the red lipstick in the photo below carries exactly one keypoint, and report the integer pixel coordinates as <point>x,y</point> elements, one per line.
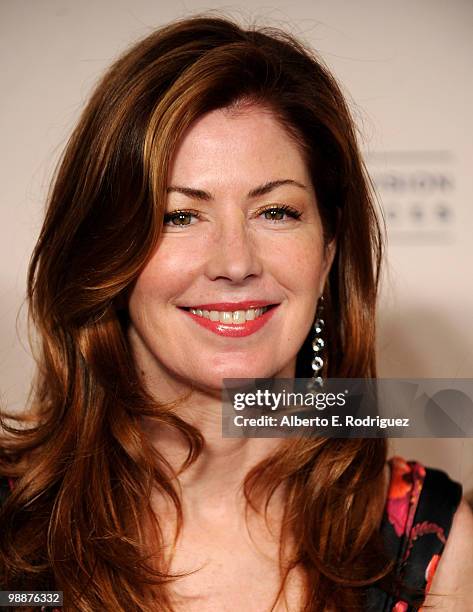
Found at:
<point>228,306</point>
<point>233,330</point>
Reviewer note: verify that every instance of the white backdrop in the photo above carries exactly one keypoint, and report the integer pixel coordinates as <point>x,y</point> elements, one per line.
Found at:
<point>406,68</point>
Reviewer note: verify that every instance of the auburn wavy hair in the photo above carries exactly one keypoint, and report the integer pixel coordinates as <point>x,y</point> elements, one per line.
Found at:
<point>84,467</point>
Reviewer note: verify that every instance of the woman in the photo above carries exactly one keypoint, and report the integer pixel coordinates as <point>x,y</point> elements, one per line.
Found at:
<point>210,195</point>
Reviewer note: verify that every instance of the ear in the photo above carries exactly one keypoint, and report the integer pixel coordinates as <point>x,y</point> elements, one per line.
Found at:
<point>328,256</point>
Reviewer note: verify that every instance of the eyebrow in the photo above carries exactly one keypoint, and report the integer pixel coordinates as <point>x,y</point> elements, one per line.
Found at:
<point>199,194</point>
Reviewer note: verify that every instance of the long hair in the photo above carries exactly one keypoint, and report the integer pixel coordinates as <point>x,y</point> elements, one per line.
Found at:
<point>85,469</point>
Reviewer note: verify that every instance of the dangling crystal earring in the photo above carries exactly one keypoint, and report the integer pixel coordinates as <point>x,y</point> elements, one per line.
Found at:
<point>318,344</point>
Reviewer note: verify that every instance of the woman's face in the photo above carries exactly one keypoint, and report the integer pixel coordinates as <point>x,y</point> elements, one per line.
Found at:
<point>226,255</point>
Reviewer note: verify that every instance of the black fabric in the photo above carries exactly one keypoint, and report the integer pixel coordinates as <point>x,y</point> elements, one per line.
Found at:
<point>438,502</point>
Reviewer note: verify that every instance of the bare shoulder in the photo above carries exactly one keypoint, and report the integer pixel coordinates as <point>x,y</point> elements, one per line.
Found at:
<point>453,579</point>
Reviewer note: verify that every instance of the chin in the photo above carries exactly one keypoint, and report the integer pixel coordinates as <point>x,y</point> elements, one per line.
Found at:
<point>216,380</point>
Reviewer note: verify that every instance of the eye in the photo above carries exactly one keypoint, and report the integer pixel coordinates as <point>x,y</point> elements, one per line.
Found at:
<point>277,213</point>
<point>179,218</point>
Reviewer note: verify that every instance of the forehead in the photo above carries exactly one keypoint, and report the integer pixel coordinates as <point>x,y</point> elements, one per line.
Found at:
<point>237,146</point>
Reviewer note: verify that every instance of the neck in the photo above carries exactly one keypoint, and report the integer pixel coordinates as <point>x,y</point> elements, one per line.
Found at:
<point>215,479</point>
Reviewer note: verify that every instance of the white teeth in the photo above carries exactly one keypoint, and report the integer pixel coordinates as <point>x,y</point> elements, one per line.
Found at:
<point>239,316</point>
<point>226,317</point>
<point>235,316</point>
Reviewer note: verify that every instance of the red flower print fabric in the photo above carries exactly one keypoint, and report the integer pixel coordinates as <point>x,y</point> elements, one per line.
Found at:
<point>418,515</point>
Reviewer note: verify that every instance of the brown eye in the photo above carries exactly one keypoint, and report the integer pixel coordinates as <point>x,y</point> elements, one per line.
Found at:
<point>275,214</point>
<point>178,218</point>
<point>280,213</point>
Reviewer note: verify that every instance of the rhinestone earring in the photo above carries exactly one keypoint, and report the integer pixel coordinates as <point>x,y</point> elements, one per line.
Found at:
<point>318,344</point>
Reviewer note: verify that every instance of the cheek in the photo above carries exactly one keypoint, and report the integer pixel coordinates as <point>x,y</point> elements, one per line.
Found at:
<point>297,263</point>
<point>167,273</point>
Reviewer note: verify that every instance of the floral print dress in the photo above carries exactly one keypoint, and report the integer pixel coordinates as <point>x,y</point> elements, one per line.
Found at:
<point>419,511</point>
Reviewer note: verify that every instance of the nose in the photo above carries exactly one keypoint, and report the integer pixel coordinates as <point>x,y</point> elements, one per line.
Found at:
<point>233,253</point>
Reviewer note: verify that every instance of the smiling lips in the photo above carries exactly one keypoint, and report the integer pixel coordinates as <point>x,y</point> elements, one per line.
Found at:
<point>234,319</point>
